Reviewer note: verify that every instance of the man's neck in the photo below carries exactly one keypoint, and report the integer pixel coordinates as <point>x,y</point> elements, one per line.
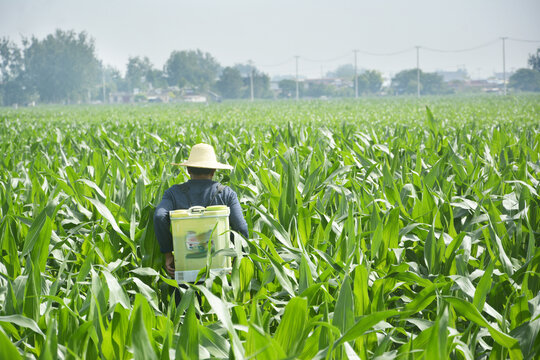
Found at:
<point>201,177</point>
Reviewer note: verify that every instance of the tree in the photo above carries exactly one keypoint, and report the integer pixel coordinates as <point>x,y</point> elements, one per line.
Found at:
<point>525,80</point>
<point>261,85</point>
<point>317,90</point>
<point>137,73</point>
<point>230,84</point>
<point>534,60</point>
<point>191,68</point>
<point>156,78</point>
<point>369,82</point>
<point>405,82</point>
<point>261,81</point>
<point>342,72</point>
<point>245,69</point>
<point>374,81</point>
<point>142,75</point>
<point>13,87</point>
<point>287,88</point>
<point>62,66</point>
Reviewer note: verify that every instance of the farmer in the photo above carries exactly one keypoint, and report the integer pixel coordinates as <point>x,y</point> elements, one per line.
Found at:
<point>200,190</point>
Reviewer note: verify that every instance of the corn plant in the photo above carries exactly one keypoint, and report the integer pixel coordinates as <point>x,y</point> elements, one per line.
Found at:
<point>379,228</point>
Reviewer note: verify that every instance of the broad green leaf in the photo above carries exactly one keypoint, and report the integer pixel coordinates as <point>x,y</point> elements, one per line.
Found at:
<point>290,331</point>
<point>470,312</point>
<point>140,338</point>
<point>147,292</point>
<point>483,288</point>
<point>365,323</point>
<point>117,294</point>
<point>188,341</point>
<point>222,312</point>
<point>260,345</point>
<point>436,346</point>
<point>107,215</point>
<point>213,342</point>
<point>7,349</point>
<point>344,310</point>
<point>22,321</point>
<point>360,290</point>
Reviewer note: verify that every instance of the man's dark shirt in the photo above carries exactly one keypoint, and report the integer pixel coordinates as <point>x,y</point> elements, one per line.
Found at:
<point>199,193</point>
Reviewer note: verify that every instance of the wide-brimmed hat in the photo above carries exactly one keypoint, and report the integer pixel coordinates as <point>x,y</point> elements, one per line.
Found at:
<point>204,156</point>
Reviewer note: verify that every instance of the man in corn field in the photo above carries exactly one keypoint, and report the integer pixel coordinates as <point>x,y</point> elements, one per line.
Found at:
<point>200,190</point>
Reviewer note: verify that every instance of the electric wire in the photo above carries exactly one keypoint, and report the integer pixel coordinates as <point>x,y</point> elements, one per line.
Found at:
<point>524,40</point>
<point>277,64</point>
<point>326,60</point>
<point>461,50</point>
<point>364,52</point>
<point>385,54</point>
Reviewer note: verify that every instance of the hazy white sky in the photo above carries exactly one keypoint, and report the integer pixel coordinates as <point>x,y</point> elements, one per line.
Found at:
<point>273,32</point>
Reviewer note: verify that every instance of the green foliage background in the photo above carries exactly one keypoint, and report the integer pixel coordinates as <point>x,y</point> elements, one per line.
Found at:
<point>379,228</point>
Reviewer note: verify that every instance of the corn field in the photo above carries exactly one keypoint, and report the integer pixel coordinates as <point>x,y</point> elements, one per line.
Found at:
<point>380,228</point>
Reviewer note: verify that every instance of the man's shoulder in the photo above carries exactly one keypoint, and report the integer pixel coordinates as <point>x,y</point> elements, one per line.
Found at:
<point>225,188</point>
<point>176,188</point>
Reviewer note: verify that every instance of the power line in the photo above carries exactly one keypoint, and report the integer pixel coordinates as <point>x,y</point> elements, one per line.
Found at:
<point>364,52</point>
<point>278,64</point>
<point>297,94</point>
<point>327,60</point>
<point>386,54</point>
<point>461,50</point>
<point>523,40</point>
<point>418,71</point>
<point>504,62</point>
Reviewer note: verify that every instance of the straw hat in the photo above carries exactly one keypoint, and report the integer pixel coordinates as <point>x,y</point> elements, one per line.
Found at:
<point>204,156</point>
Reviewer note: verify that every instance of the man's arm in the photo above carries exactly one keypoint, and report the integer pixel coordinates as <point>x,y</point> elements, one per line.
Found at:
<point>236,218</point>
<point>162,229</point>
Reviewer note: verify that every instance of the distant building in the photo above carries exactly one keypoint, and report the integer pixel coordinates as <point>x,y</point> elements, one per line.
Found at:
<point>336,82</point>
<point>121,98</point>
<point>195,98</point>
<point>484,86</point>
<point>157,96</point>
<point>500,75</point>
<point>274,86</point>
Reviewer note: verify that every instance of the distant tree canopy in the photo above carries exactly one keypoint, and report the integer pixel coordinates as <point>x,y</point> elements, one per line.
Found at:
<point>342,72</point>
<point>191,68</point>
<point>405,82</point>
<point>244,69</point>
<point>12,80</point>
<point>317,90</point>
<point>261,85</point>
<point>136,74</point>
<point>369,82</point>
<point>525,80</point>
<point>230,84</point>
<point>142,75</point>
<point>62,66</point>
<point>235,83</point>
<point>287,88</point>
<point>534,60</point>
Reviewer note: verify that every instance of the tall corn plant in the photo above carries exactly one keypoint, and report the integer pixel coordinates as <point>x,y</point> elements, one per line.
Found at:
<point>378,228</point>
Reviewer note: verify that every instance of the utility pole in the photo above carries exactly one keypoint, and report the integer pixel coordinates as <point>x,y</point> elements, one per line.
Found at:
<point>251,79</point>
<point>504,64</point>
<point>103,83</point>
<point>418,71</point>
<point>297,96</point>
<point>355,74</point>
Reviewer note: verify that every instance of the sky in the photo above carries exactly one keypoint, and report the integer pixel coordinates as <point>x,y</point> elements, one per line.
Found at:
<point>323,34</point>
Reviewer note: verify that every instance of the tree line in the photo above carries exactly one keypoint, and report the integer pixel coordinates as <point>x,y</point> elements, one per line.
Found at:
<point>63,68</point>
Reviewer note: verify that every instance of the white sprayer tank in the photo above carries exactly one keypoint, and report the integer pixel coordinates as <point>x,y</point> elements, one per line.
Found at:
<point>198,233</point>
